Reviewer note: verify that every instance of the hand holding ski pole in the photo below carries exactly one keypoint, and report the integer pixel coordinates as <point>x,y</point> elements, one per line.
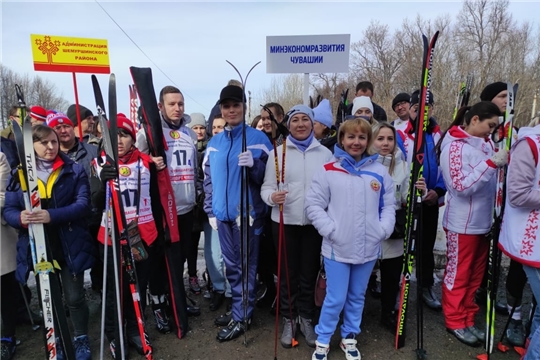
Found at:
<point>245,159</point>
<point>279,197</point>
<point>108,172</point>
<point>160,164</point>
<point>430,198</point>
<point>421,185</point>
<point>500,158</point>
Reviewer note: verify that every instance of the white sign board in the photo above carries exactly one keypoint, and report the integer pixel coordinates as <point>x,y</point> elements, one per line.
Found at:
<point>307,54</point>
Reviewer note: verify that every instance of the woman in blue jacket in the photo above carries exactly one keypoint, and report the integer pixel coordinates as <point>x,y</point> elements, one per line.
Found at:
<point>65,200</point>
<point>351,203</point>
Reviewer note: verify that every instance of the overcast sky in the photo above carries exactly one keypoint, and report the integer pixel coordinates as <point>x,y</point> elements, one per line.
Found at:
<point>190,41</point>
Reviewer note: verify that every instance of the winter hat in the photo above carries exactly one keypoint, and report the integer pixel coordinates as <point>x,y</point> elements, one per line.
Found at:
<point>400,98</point>
<point>300,109</point>
<point>55,118</point>
<point>125,124</point>
<point>72,113</point>
<point>39,113</point>
<point>197,119</point>
<point>232,92</point>
<point>415,98</point>
<point>322,113</point>
<point>492,90</point>
<point>361,102</point>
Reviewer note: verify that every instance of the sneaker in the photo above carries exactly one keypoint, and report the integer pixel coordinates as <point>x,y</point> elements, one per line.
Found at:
<point>465,336</point>
<point>514,333</point>
<point>194,286</point>
<point>321,352</point>
<point>289,330</point>
<point>261,291</point>
<point>135,341</point>
<point>225,319</point>
<point>480,335</point>
<point>232,331</point>
<point>430,299</point>
<point>306,328</point>
<point>348,345</point>
<point>82,348</point>
<point>7,347</point>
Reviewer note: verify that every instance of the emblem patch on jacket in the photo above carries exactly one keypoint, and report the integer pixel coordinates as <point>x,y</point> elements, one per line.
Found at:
<point>375,185</point>
<point>124,171</point>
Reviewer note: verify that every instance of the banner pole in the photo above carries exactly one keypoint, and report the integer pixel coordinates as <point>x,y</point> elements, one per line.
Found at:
<point>77,106</point>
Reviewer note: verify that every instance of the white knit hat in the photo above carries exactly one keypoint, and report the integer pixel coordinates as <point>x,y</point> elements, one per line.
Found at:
<point>362,102</point>
<point>197,119</point>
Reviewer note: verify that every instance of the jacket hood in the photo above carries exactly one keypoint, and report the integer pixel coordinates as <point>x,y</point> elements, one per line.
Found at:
<point>528,131</point>
<point>456,133</point>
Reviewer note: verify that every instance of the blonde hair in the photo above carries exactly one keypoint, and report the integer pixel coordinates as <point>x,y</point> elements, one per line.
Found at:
<point>358,124</point>
<point>376,129</point>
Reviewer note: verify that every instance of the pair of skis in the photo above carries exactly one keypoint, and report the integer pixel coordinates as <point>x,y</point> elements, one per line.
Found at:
<point>413,224</point>
<point>46,269</point>
<point>502,136</point>
<point>120,238</point>
<point>464,94</point>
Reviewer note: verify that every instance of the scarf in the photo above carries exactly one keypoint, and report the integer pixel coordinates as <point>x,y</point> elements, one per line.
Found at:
<point>349,163</point>
<point>302,145</point>
<point>44,169</point>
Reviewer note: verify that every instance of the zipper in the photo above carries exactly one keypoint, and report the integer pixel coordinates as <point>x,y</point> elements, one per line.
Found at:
<point>227,177</point>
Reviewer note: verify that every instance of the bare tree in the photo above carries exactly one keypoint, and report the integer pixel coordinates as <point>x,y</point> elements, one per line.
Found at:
<point>36,90</point>
<point>286,90</point>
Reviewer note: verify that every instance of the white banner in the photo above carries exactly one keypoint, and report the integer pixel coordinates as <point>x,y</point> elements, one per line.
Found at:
<point>307,54</point>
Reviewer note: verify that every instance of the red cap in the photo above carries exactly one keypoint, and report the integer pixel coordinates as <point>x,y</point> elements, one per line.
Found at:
<point>124,123</point>
<point>56,118</point>
<point>39,113</point>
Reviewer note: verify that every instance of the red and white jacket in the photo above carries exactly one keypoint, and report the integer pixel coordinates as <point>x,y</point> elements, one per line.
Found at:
<point>519,231</point>
<point>128,173</point>
<point>471,182</point>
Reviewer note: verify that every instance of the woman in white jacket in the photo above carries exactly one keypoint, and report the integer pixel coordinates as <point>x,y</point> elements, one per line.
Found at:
<point>469,166</point>
<point>351,203</point>
<point>303,156</point>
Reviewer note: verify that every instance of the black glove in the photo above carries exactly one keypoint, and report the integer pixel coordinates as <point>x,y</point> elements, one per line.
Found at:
<point>108,172</point>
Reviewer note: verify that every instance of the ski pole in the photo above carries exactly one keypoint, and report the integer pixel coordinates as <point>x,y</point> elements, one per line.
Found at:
<point>27,305</point>
<point>117,287</point>
<point>105,255</point>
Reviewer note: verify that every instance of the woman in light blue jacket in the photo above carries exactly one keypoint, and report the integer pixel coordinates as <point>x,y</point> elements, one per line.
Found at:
<point>351,203</point>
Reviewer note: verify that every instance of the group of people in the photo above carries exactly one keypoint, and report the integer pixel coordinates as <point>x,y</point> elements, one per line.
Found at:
<point>323,193</point>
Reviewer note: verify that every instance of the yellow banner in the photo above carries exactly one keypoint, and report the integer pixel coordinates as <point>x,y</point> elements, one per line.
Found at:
<point>69,54</point>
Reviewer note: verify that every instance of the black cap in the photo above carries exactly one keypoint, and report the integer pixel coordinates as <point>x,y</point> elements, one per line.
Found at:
<point>492,90</point>
<point>232,92</point>
<point>72,113</point>
<point>400,98</point>
<point>415,98</point>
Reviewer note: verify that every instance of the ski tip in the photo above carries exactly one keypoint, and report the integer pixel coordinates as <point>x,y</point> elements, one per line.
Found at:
<point>502,348</point>
<point>294,342</point>
<point>482,357</point>
<point>520,350</point>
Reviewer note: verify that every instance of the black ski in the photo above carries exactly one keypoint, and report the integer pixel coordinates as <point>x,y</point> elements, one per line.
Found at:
<point>413,225</point>
<point>45,267</point>
<point>151,123</point>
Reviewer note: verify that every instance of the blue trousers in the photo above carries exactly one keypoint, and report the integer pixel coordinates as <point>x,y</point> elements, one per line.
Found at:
<point>345,291</point>
<point>229,238</point>
<point>214,260</point>
<point>533,351</point>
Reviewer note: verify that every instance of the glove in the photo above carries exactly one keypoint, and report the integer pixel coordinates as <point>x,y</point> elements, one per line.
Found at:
<point>213,222</point>
<point>500,158</point>
<point>245,159</point>
<point>108,172</point>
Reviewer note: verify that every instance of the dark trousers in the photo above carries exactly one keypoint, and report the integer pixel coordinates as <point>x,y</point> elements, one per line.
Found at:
<point>142,269</point>
<point>96,273</point>
<point>158,278</point>
<point>303,247</point>
<point>515,282</point>
<point>9,304</point>
<point>268,257</point>
<point>430,222</point>
<point>193,253</point>
<point>391,270</point>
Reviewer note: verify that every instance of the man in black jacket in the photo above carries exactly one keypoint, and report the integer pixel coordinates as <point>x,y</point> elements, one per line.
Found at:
<point>365,88</point>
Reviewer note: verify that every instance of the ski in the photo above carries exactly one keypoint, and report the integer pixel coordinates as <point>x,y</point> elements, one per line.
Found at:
<point>412,241</point>
<point>150,119</point>
<point>100,106</point>
<point>47,279</point>
<point>464,93</point>
<point>245,217</point>
<point>503,141</point>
